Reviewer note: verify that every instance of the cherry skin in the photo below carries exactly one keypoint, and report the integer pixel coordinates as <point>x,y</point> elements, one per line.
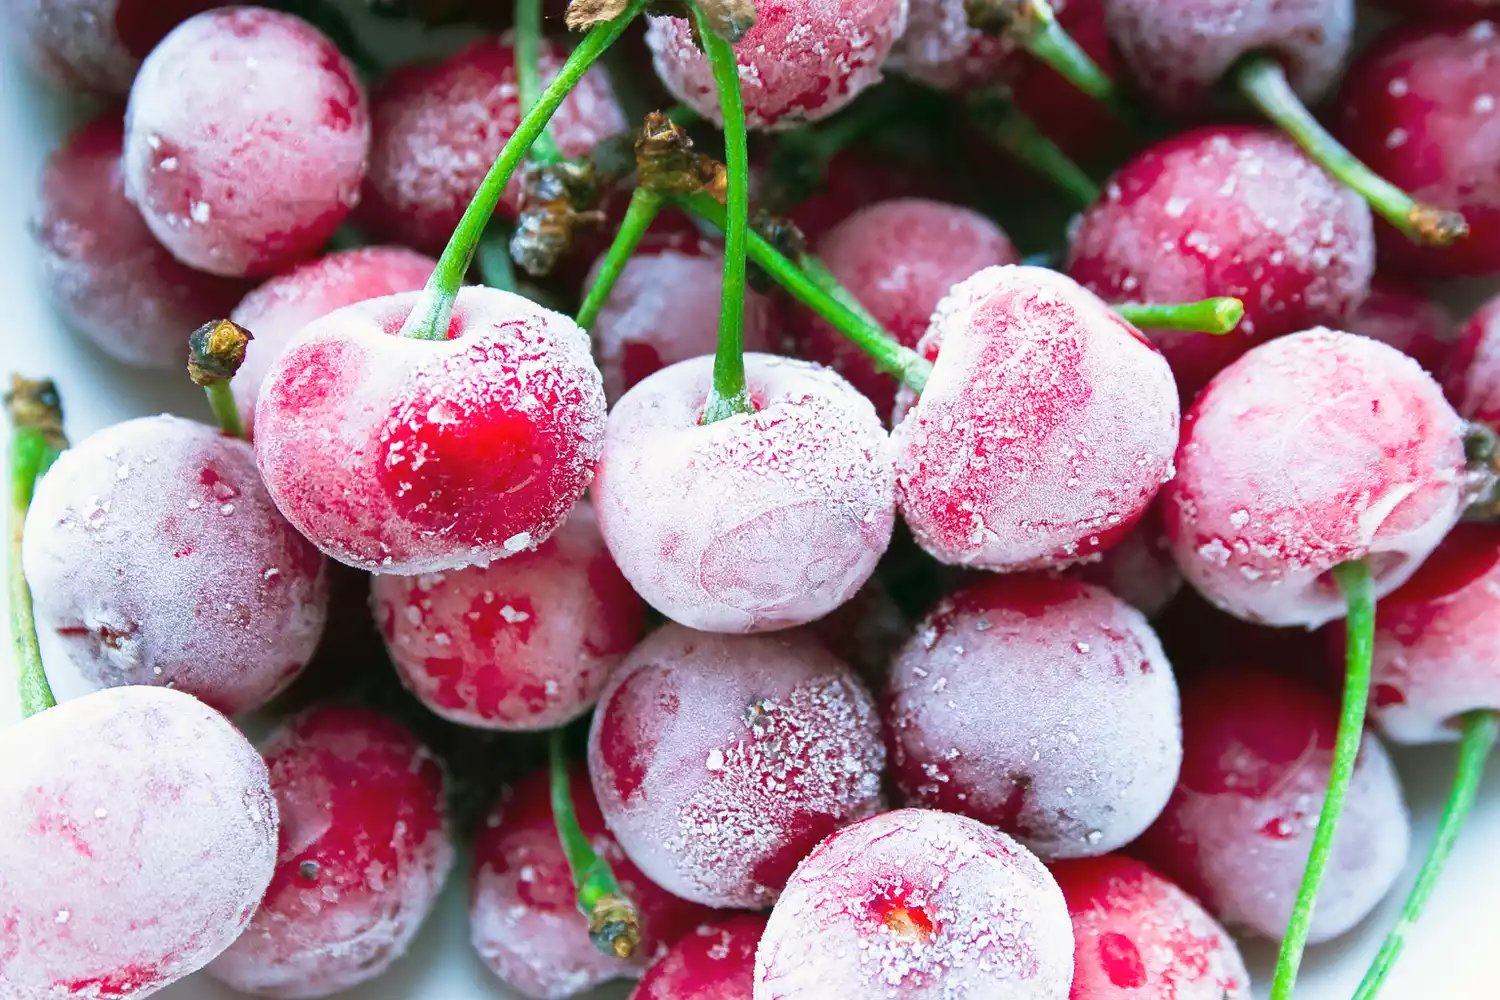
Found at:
<point>523,911</point>
<point>854,178</point>
<point>1045,430</point>
<point>140,835</point>
<point>664,308</point>
<point>105,273</point>
<point>719,761</point>
<point>898,258</point>
<point>1140,570</point>
<point>437,128</point>
<point>279,309</point>
<point>1437,644</point>
<point>408,456</point>
<point>1418,107</point>
<point>1180,50</point>
<point>917,905</point>
<point>757,522</point>
<point>1257,750</point>
<point>714,961</point>
<point>1040,706</point>
<point>1234,210</point>
<point>802,61</point>
<point>364,852</point>
<point>522,644</point>
<point>245,141</point>
<point>1472,379</point>
<point>1139,937</point>
<point>1409,320</point>
<point>155,553</point>
<point>941,50</point>
<point>94,46</point>
<point>1310,451</point>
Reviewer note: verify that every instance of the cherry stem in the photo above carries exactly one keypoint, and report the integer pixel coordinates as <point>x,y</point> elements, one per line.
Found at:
<point>644,205</point>
<point>1264,81</point>
<point>1479,730</point>
<point>1218,315</point>
<point>887,353</point>
<point>1049,42</point>
<point>36,440</point>
<point>215,352</point>
<point>1359,637</point>
<point>1018,135</point>
<point>529,72</point>
<point>729,395</point>
<point>433,312</point>
<point>614,923</point>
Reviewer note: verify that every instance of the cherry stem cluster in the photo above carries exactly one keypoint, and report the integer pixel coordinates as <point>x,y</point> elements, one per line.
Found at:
<point>1359,627</point>
<point>1478,730</point>
<point>614,923</point>
<point>644,205</point>
<point>529,72</point>
<point>1218,315</point>
<point>729,395</point>
<point>1263,80</point>
<point>431,316</point>
<point>36,441</point>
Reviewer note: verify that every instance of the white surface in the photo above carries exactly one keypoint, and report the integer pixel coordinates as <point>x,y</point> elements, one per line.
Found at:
<point>1448,955</point>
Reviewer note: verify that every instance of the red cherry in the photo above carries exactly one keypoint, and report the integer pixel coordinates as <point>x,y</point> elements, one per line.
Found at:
<point>1408,320</point>
<point>1140,569</point>
<point>1472,380</point>
<point>364,853</point>
<point>712,962</point>
<point>941,50</point>
<point>94,46</point>
<point>854,178</point>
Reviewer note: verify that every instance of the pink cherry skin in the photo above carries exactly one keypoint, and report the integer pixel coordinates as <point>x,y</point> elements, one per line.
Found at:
<point>714,961</point>
<point>140,834</point>
<point>1472,379</point>
<point>1409,320</point>
<point>408,456</point>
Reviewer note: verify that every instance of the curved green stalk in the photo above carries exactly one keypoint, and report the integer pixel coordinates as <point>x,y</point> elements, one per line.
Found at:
<point>644,205</point>
<point>1479,730</point>
<point>36,441</point>
<point>1217,316</point>
<point>1049,42</point>
<point>1359,593</point>
<point>529,72</point>
<point>729,395</point>
<point>1018,135</point>
<point>430,317</point>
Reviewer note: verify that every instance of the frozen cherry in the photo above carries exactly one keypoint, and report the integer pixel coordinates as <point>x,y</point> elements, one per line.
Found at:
<point>438,128</point>
<point>1139,937</point>
<point>757,522</point>
<point>94,46</point>
<point>1409,320</point>
<point>1140,570</point>
<point>996,709</point>
<point>364,853</point>
<point>402,455</point>
<point>523,912</point>
<point>1437,647</point>
<point>279,309</point>
<point>802,61</point>
<point>154,551</point>
<point>851,179</point>
<point>105,273</point>
<point>1257,751</point>
<point>1179,50</point>
<point>898,258</point>
<point>1045,429</point>
<point>1472,379</point>
<point>1237,211</point>
<point>140,834</point>
<point>1310,451</point>
<point>1419,107</point>
<point>245,140</point>
<point>917,905</point>
<point>712,962</point>
<point>664,308</point>
<point>525,643</point>
<point>942,50</point>
<point>719,761</point>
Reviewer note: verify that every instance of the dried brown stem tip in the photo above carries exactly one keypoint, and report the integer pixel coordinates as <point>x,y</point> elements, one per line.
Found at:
<point>584,14</point>
<point>1016,18</point>
<point>35,404</point>
<point>666,162</point>
<point>615,926</point>
<point>1436,227</point>
<point>215,351</point>
<point>557,200</point>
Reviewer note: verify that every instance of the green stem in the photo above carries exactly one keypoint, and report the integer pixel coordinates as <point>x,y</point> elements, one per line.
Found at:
<point>216,350</point>
<point>1479,730</point>
<point>529,72</point>
<point>812,265</point>
<point>36,441</point>
<point>644,205</point>
<point>1018,135</point>
<point>1049,42</point>
<point>492,257</point>
<point>1359,638</point>
<point>430,317</point>
<point>1263,80</point>
<point>1218,316</point>
<point>614,923</point>
<point>887,353</point>
<point>221,402</point>
<point>729,395</point>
